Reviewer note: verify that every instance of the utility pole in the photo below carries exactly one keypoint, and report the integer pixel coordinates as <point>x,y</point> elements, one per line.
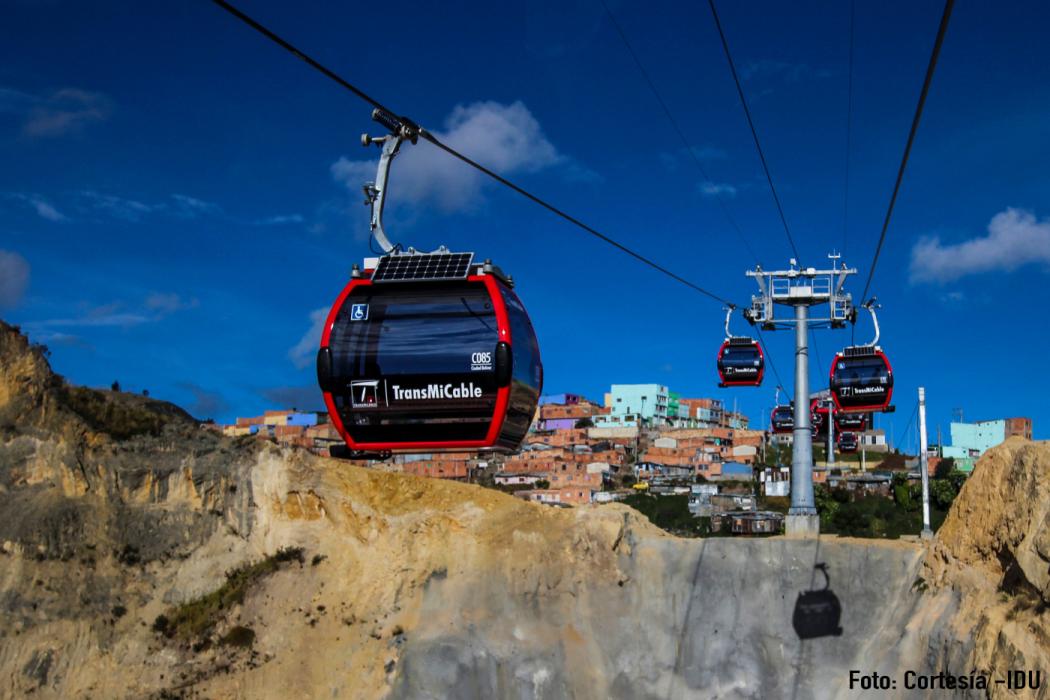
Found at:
<point>927,533</point>
<point>831,435</point>
<point>801,288</point>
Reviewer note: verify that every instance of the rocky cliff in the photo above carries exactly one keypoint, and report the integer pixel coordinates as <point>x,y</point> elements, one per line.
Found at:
<point>143,556</point>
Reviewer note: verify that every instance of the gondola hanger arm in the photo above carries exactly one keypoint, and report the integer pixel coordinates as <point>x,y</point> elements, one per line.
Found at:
<point>729,313</point>
<point>375,192</point>
<point>870,305</point>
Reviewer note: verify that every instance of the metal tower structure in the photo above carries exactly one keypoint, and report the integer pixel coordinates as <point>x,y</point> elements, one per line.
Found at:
<point>802,288</point>
<point>924,466</point>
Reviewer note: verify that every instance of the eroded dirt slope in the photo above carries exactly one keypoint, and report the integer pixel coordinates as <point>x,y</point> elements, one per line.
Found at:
<point>119,510</point>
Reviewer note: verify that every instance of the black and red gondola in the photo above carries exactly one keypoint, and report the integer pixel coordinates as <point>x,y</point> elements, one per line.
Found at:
<point>861,380</point>
<point>426,352</point>
<point>740,360</point>
<point>851,422</point>
<point>819,411</point>
<point>410,362</point>
<point>861,377</point>
<point>847,442</point>
<point>782,420</point>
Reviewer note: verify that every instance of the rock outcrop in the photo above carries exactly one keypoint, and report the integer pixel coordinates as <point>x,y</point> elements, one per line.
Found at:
<point>143,556</point>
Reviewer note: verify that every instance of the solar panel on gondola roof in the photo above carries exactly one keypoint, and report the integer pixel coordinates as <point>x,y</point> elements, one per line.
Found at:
<point>424,266</point>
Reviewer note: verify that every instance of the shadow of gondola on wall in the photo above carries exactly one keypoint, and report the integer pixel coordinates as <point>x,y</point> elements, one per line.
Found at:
<point>818,612</point>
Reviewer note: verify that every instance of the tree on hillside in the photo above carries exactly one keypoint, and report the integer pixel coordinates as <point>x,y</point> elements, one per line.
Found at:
<point>942,493</point>
<point>944,468</point>
<point>115,386</point>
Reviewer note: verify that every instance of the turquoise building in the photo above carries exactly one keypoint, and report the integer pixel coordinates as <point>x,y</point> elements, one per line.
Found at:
<point>647,402</point>
<point>973,439</point>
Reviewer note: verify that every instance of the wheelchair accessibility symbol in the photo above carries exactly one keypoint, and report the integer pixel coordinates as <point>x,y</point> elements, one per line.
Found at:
<point>359,312</point>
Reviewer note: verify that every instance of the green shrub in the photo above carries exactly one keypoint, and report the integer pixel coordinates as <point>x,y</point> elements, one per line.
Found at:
<point>942,493</point>
<point>198,617</point>
<point>876,516</point>
<point>238,636</point>
<point>670,513</point>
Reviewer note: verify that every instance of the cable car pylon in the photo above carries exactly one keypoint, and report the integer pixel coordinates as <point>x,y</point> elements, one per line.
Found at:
<point>802,288</point>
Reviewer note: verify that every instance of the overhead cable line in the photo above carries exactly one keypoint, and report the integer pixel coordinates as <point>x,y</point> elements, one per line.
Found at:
<point>456,154</point>
<point>849,128</point>
<point>910,424</point>
<point>677,129</point>
<point>571,219</point>
<point>751,124</point>
<point>941,30</point>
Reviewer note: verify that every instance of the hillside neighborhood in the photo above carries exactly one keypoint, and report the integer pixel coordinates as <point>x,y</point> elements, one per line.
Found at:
<point>645,439</point>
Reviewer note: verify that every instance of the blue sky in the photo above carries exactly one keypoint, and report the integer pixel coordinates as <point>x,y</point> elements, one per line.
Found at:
<point>179,197</point>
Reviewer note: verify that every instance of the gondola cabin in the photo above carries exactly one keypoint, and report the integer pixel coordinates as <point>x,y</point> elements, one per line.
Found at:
<point>861,380</point>
<point>740,363</point>
<point>818,416</point>
<point>847,442</point>
<point>851,422</point>
<point>782,419</point>
<point>429,352</point>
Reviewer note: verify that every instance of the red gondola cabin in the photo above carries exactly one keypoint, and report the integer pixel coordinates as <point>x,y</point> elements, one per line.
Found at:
<point>429,355</point>
<point>782,419</point>
<point>847,442</point>
<point>861,380</point>
<point>740,362</point>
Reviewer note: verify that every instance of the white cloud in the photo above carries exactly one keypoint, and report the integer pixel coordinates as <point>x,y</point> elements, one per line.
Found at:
<point>113,320</point>
<point>279,220</point>
<point>155,307</point>
<point>1015,238</point>
<point>47,211</point>
<point>191,207</point>
<point>58,113</point>
<point>714,189</point>
<point>181,205</point>
<point>119,207</point>
<point>14,278</point>
<point>505,138</point>
<point>169,303</point>
<point>41,206</point>
<point>57,338</point>
<point>305,350</point>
